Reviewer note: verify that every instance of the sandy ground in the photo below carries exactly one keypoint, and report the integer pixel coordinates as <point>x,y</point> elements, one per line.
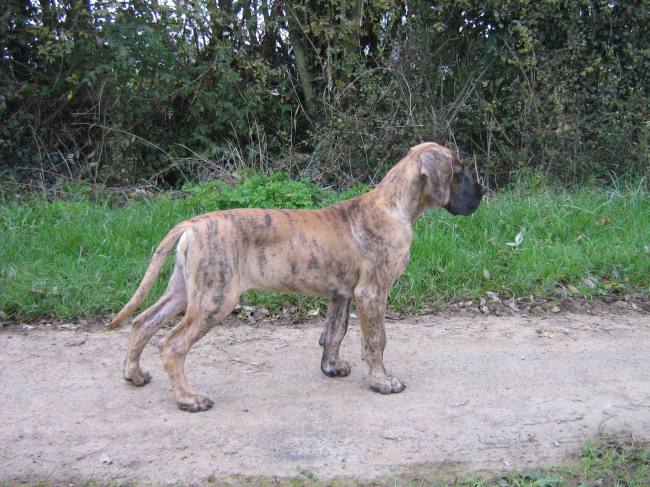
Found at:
<point>483,393</point>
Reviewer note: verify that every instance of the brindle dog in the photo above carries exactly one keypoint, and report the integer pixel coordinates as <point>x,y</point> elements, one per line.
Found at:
<point>354,249</point>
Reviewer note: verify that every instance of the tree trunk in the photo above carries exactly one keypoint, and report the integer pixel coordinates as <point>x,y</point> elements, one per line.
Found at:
<point>220,18</point>
<point>299,55</point>
<point>271,27</point>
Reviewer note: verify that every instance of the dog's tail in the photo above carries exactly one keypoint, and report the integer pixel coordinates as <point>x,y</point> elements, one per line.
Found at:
<point>153,271</point>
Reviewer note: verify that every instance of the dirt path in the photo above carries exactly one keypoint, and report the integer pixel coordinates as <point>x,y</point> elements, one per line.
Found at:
<point>483,393</point>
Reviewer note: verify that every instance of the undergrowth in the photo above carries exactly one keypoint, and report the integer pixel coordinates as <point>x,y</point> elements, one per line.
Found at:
<point>83,251</point>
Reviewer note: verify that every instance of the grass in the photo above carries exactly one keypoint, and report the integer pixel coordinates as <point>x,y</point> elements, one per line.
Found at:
<point>83,253</point>
<point>588,242</point>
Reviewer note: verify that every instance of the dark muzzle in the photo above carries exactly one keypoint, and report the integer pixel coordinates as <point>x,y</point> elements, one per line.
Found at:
<point>467,197</point>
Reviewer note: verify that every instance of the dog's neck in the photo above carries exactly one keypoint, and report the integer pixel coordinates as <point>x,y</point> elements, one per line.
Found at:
<point>400,192</point>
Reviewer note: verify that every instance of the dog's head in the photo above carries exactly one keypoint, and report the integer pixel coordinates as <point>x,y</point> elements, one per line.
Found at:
<point>445,182</point>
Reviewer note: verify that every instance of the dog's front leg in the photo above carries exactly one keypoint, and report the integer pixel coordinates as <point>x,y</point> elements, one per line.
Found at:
<point>371,303</point>
<point>336,325</point>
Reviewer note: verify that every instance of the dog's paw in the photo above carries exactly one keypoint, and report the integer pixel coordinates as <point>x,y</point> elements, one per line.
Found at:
<point>387,385</point>
<point>196,403</point>
<point>340,368</point>
<point>137,378</point>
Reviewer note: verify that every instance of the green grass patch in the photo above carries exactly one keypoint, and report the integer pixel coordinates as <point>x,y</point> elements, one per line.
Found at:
<point>83,253</point>
<point>589,242</point>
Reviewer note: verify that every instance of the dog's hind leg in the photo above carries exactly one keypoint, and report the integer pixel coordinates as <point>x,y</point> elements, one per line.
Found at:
<point>147,323</point>
<point>201,315</point>
<point>336,326</point>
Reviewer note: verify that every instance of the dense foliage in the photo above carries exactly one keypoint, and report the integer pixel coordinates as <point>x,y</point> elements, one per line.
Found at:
<point>331,90</point>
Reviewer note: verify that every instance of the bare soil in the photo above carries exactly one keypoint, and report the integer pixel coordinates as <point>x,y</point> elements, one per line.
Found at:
<point>484,393</point>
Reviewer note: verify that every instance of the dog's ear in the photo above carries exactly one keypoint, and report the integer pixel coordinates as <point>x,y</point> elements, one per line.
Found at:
<point>436,169</point>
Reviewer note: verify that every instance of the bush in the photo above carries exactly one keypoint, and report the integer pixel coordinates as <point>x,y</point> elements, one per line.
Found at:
<point>257,191</point>
<point>332,91</point>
